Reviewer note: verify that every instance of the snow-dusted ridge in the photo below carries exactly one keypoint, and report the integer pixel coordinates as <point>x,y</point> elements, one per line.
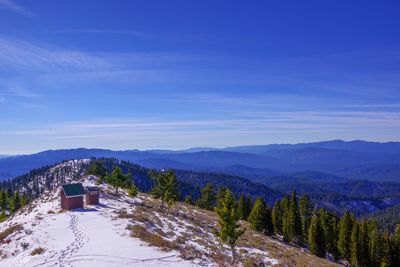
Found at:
<point>126,231</point>
<point>92,236</point>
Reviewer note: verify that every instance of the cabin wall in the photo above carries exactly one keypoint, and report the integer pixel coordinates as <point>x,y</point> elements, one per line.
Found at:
<point>64,204</point>
<point>92,198</point>
<point>71,203</point>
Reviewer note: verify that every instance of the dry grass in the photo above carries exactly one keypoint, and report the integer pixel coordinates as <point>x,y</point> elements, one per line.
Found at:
<point>123,214</point>
<point>37,251</point>
<point>151,238</point>
<point>196,237</point>
<point>10,230</point>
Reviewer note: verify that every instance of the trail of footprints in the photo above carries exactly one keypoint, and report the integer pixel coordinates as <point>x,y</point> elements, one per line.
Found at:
<point>80,239</point>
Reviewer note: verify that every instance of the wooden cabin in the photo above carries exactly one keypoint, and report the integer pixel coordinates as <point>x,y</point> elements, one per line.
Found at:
<point>92,195</point>
<point>72,196</point>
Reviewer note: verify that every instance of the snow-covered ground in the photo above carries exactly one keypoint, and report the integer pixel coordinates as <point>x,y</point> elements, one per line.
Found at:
<point>126,231</point>
<point>86,237</point>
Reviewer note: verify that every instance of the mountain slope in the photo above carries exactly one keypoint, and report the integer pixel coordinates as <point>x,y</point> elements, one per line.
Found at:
<point>287,182</point>
<point>84,237</point>
<point>356,146</point>
<point>108,235</point>
<point>190,182</point>
<point>355,160</point>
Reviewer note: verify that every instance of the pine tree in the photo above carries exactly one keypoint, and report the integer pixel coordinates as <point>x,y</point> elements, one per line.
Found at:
<point>355,246</point>
<point>344,241</point>
<point>285,204</point>
<point>359,245</point>
<point>363,241</point>
<point>242,207</point>
<point>133,191</point>
<point>230,230</point>
<point>277,216</point>
<point>249,207</point>
<point>117,179</point>
<point>305,208</point>
<point>172,193</point>
<point>295,229</point>
<point>207,198</point>
<point>96,168</point>
<point>260,217</point>
<point>387,259</point>
<point>396,246</point>
<point>374,244</point>
<point>330,230</point>
<point>166,187</point>
<point>3,216</point>
<point>15,202</point>
<point>3,199</point>
<point>316,240</point>
<point>189,200</point>
<point>220,195</point>
<point>24,200</point>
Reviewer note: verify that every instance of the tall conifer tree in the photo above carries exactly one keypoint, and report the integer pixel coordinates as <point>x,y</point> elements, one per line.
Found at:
<point>316,240</point>
<point>295,228</point>
<point>387,259</point>
<point>260,217</point>
<point>242,207</point>
<point>166,187</point>
<point>396,246</point>
<point>117,179</point>
<point>230,230</point>
<point>285,204</point>
<point>277,216</point>
<point>374,244</point>
<point>330,229</point>
<point>16,202</point>
<point>305,207</point>
<point>344,241</point>
<point>207,198</point>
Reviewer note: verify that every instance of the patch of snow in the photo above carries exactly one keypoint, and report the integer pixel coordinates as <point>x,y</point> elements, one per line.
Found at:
<point>84,237</point>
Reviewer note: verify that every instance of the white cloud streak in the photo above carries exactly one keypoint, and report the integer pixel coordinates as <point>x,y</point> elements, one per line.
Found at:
<point>110,31</point>
<point>15,8</point>
<point>259,123</point>
<point>22,54</point>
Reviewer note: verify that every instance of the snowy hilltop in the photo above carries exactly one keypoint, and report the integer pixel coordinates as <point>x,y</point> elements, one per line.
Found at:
<point>46,236</point>
<point>127,231</point>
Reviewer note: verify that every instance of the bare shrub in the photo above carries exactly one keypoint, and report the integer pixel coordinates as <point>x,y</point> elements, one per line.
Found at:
<point>37,251</point>
<point>10,230</point>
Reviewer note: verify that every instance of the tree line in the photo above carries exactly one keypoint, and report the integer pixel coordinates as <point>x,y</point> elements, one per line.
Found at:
<point>294,220</point>
<point>10,202</point>
<point>297,221</point>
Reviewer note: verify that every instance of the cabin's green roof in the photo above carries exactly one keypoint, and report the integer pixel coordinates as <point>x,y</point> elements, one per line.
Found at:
<point>73,189</point>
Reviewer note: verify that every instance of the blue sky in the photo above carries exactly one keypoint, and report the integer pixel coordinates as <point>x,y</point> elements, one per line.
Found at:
<point>178,74</point>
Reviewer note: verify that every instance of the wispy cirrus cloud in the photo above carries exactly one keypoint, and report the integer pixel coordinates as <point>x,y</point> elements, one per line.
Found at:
<point>249,123</point>
<point>255,128</point>
<point>7,4</point>
<point>21,54</point>
<point>108,31</point>
<point>17,91</point>
<point>44,58</point>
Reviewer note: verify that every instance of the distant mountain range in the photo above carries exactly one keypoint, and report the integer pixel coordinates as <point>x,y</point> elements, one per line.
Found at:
<point>329,161</point>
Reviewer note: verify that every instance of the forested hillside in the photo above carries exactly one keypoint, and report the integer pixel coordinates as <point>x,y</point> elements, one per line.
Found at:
<point>359,197</point>
<point>294,220</point>
<point>387,219</point>
<point>190,183</point>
